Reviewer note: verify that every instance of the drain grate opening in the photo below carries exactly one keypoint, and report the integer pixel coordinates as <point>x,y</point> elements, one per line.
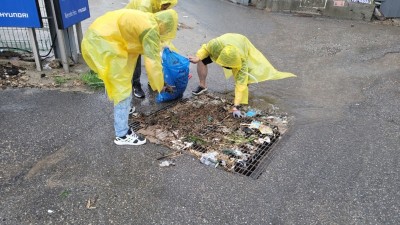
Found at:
<point>204,127</point>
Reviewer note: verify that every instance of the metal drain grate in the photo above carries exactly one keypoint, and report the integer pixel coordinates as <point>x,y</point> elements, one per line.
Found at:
<point>258,155</point>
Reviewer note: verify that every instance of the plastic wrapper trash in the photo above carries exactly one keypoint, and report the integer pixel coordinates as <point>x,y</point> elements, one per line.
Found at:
<point>209,159</point>
<point>176,74</point>
<point>251,113</point>
<point>167,163</point>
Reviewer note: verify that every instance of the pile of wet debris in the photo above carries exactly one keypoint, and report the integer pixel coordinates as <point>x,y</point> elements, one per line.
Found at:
<point>13,76</point>
<point>203,126</point>
<point>10,74</point>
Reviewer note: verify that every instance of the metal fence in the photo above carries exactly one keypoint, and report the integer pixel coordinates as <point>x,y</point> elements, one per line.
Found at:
<point>18,39</point>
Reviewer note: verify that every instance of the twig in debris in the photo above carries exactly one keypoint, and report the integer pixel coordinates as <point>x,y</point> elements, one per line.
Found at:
<point>226,117</point>
<point>171,155</point>
<point>90,204</point>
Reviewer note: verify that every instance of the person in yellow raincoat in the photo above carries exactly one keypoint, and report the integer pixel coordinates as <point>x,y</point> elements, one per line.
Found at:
<point>151,6</point>
<point>240,59</point>
<point>111,46</point>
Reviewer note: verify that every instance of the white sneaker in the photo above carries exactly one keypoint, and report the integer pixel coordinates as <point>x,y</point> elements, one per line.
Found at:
<point>132,110</point>
<point>130,139</point>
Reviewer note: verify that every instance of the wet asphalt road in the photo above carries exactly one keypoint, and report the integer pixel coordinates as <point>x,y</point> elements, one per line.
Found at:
<point>339,164</point>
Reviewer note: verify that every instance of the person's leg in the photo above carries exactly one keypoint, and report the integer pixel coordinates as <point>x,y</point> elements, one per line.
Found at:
<point>124,134</point>
<point>202,71</point>
<point>137,72</point>
<point>136,86</point>
<point>121,116</point>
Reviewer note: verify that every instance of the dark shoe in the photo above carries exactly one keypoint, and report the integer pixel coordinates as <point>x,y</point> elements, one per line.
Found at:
<point>200,90</point>
<point>138,92</point>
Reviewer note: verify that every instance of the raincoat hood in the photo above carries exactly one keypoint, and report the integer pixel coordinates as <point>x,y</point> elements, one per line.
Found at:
<point>229,57</point>
<point>167,24</point>
<point>151,6</point>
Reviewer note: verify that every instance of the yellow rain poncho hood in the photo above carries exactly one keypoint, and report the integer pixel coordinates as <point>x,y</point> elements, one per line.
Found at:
<point>151,6</point>
<point>154,6</point>
<point>114,41</point>
<point>245,63</point>
<point>168,24</point>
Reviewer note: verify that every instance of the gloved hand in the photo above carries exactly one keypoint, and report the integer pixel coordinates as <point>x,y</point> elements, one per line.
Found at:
<point>237,114</point>
<point>169,89</point>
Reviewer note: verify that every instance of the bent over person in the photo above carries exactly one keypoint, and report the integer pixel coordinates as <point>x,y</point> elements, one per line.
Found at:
<point>111,46</point>
<point>240,59</point>
<point>150,6</point>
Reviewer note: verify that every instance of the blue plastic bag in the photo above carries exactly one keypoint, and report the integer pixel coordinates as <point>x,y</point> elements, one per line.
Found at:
<point>176,74</point>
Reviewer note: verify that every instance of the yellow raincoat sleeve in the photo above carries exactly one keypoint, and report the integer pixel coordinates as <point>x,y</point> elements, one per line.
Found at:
<point>203,53</point>
<point>152,59</point>
<point>241,80</point>
<point>170,45</point>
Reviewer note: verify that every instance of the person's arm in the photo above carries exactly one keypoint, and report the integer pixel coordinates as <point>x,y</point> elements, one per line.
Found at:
<point>241,81</point>
<point>152,59</point>
<point>194,59</point>
<point>203,52</point>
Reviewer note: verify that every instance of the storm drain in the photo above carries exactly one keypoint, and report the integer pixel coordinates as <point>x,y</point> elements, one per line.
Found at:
<point>202,126</point>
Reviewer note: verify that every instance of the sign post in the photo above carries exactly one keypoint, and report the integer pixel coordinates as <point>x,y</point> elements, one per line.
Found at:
<point>69,13</point>
<point>60,41</point>
<point>35,48</point>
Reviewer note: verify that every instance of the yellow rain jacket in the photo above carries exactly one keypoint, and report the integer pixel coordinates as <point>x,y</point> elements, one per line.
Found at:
<point>248,65</point>
<point>151,6</point>
<point>114,41</point>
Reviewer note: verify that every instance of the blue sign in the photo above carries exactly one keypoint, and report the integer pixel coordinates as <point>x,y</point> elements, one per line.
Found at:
<point>70,12</point>
<point>20,13</point>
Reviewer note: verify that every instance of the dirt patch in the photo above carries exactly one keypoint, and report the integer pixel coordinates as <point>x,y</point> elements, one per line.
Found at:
<point>183,26</point>
<point>10,55</point>
<point>12,76</point>
<point>204,127</point>
<point>388,22</point>
<point>18,71</point>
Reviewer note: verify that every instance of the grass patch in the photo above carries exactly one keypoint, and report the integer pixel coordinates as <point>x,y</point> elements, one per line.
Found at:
<point>196,140</point>
<point>61,80</point>
<point>92,80</point>
<point>64,194</point>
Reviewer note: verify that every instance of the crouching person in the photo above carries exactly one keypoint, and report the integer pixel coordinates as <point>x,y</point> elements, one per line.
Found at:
<point>240,60</point>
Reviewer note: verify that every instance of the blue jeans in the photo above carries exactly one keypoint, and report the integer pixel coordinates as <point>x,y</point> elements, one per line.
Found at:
<point>121,116</point>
